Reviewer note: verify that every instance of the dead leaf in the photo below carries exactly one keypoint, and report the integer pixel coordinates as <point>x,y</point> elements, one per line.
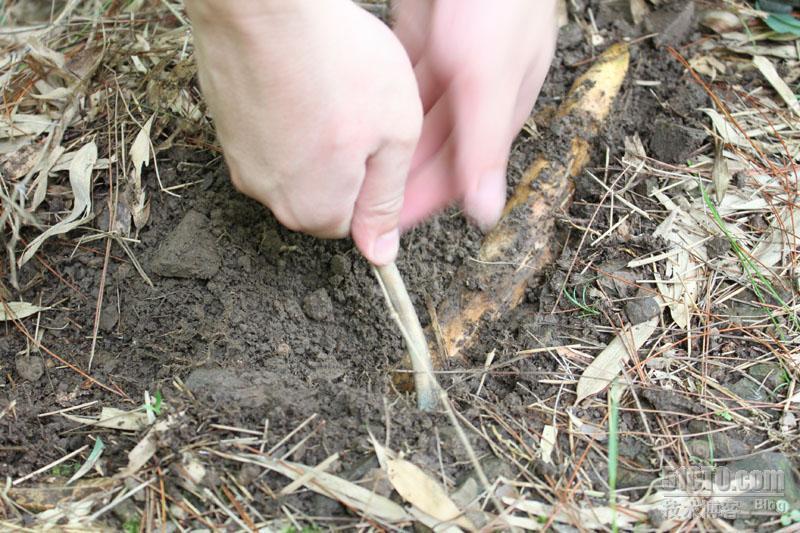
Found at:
<point>80,179</point>
<point>23,125</point>
<point>419,489</point>
<point>720,174</point>
<point>135,196</point>
<point>720,21</point>
<point>548,442</point>
<point>609,363</point>
<point>145,449</point>
<point>349,494</point>
<point>113,418</point>
<point>18,310</point>
<point>769,72</point>
<point>773,246</point>
<point>639,11</point>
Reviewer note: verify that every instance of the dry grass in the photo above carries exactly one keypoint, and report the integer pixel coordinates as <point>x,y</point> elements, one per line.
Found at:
<point>97,72</point>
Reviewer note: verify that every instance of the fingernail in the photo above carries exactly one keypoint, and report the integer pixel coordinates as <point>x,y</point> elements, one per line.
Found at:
<point>384,249</point>
<point>484,205</point>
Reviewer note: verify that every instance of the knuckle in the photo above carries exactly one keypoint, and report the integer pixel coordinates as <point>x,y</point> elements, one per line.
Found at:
<point>385,208</point>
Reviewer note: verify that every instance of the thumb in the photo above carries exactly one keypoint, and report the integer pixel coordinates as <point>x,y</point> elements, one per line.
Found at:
<point>482,134</point>
<point>376,215</point>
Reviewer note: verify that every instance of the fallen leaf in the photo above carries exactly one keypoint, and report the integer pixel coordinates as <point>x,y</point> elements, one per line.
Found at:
<point>772,248</point>
<point>23,125</point>
<point>419,489</point>
<point>347,493</point>
<point>113,418</point>
<point>548,442</point>
<point>639,11</point>
<point>97,451</point>
<point>144,449</point>
<point>769,72</point>
<point>18,310</point>
<point>135,196</point>
<point>720,21</point>
<point>730,134</point>
<point>720,174</point>
<point>609,363</point>
<point>80,179</point>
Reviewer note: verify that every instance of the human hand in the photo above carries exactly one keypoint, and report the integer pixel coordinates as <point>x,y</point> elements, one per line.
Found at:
<point>479,66</point>
<point>317,110</point>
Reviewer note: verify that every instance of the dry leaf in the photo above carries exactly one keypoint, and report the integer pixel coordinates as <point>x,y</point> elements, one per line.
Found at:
<point>730,134</point>
<point>349,494</point>
<point>720,21</point>
<point>639,11</point>
<point>113,418</point>
<point>609,363</point>
<point>548,442</point>
<point>145,449</point>
<point>720,174</point>
<point>80,179</point>
<point>18,310</point>
<point>134,196</point>
<point>419,489</point>
<point>23,125</point>
<point>772,248</point>
<point>767,69</point>
<point>40,183</point>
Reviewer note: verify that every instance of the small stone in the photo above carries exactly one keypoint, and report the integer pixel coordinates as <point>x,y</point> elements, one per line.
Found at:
<point>245,263</point>
<point>699,448</point>
<point>717,246</point>
<point>30,367</point>
<point>770,374</point>
<point>641,310</point>
<point>340,265</point>
<point>765,476</point>
<point>248,473</point>
<point>570,35</point>
<point>318,305</point>
<point>189,251</point>
<point>283,350</point>
<point>271,243</point>
<point>673,143</point>
<point>109,316</point>
<point>750,391</point>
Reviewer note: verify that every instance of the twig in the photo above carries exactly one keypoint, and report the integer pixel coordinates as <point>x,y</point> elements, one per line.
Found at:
<point>403,313</point>
<point>51,465</point>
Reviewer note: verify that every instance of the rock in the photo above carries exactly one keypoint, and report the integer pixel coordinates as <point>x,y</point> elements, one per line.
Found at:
<point>673,23</point>
<point>750,391</point>
<point>718,246</point>
<point>673,143</point>
<point>641,310</point>
<point>630,478</point>
<point>668,400</point>
<point>318,305</point>
<point>570,35</point>
<point>766,478</point>
<point>283,350</point>
<point>770,374</point>
<point>271,243</point>
<point>245,262</point>
<point>108,317</point>
<point>189,251</point>
<point>340,265</point>
<point>30,367</point>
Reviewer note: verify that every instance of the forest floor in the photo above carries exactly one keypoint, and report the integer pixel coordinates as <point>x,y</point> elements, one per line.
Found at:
<point>173,359</point>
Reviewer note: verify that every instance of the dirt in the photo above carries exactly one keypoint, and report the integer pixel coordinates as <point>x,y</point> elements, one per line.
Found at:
<point>261,323</point>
